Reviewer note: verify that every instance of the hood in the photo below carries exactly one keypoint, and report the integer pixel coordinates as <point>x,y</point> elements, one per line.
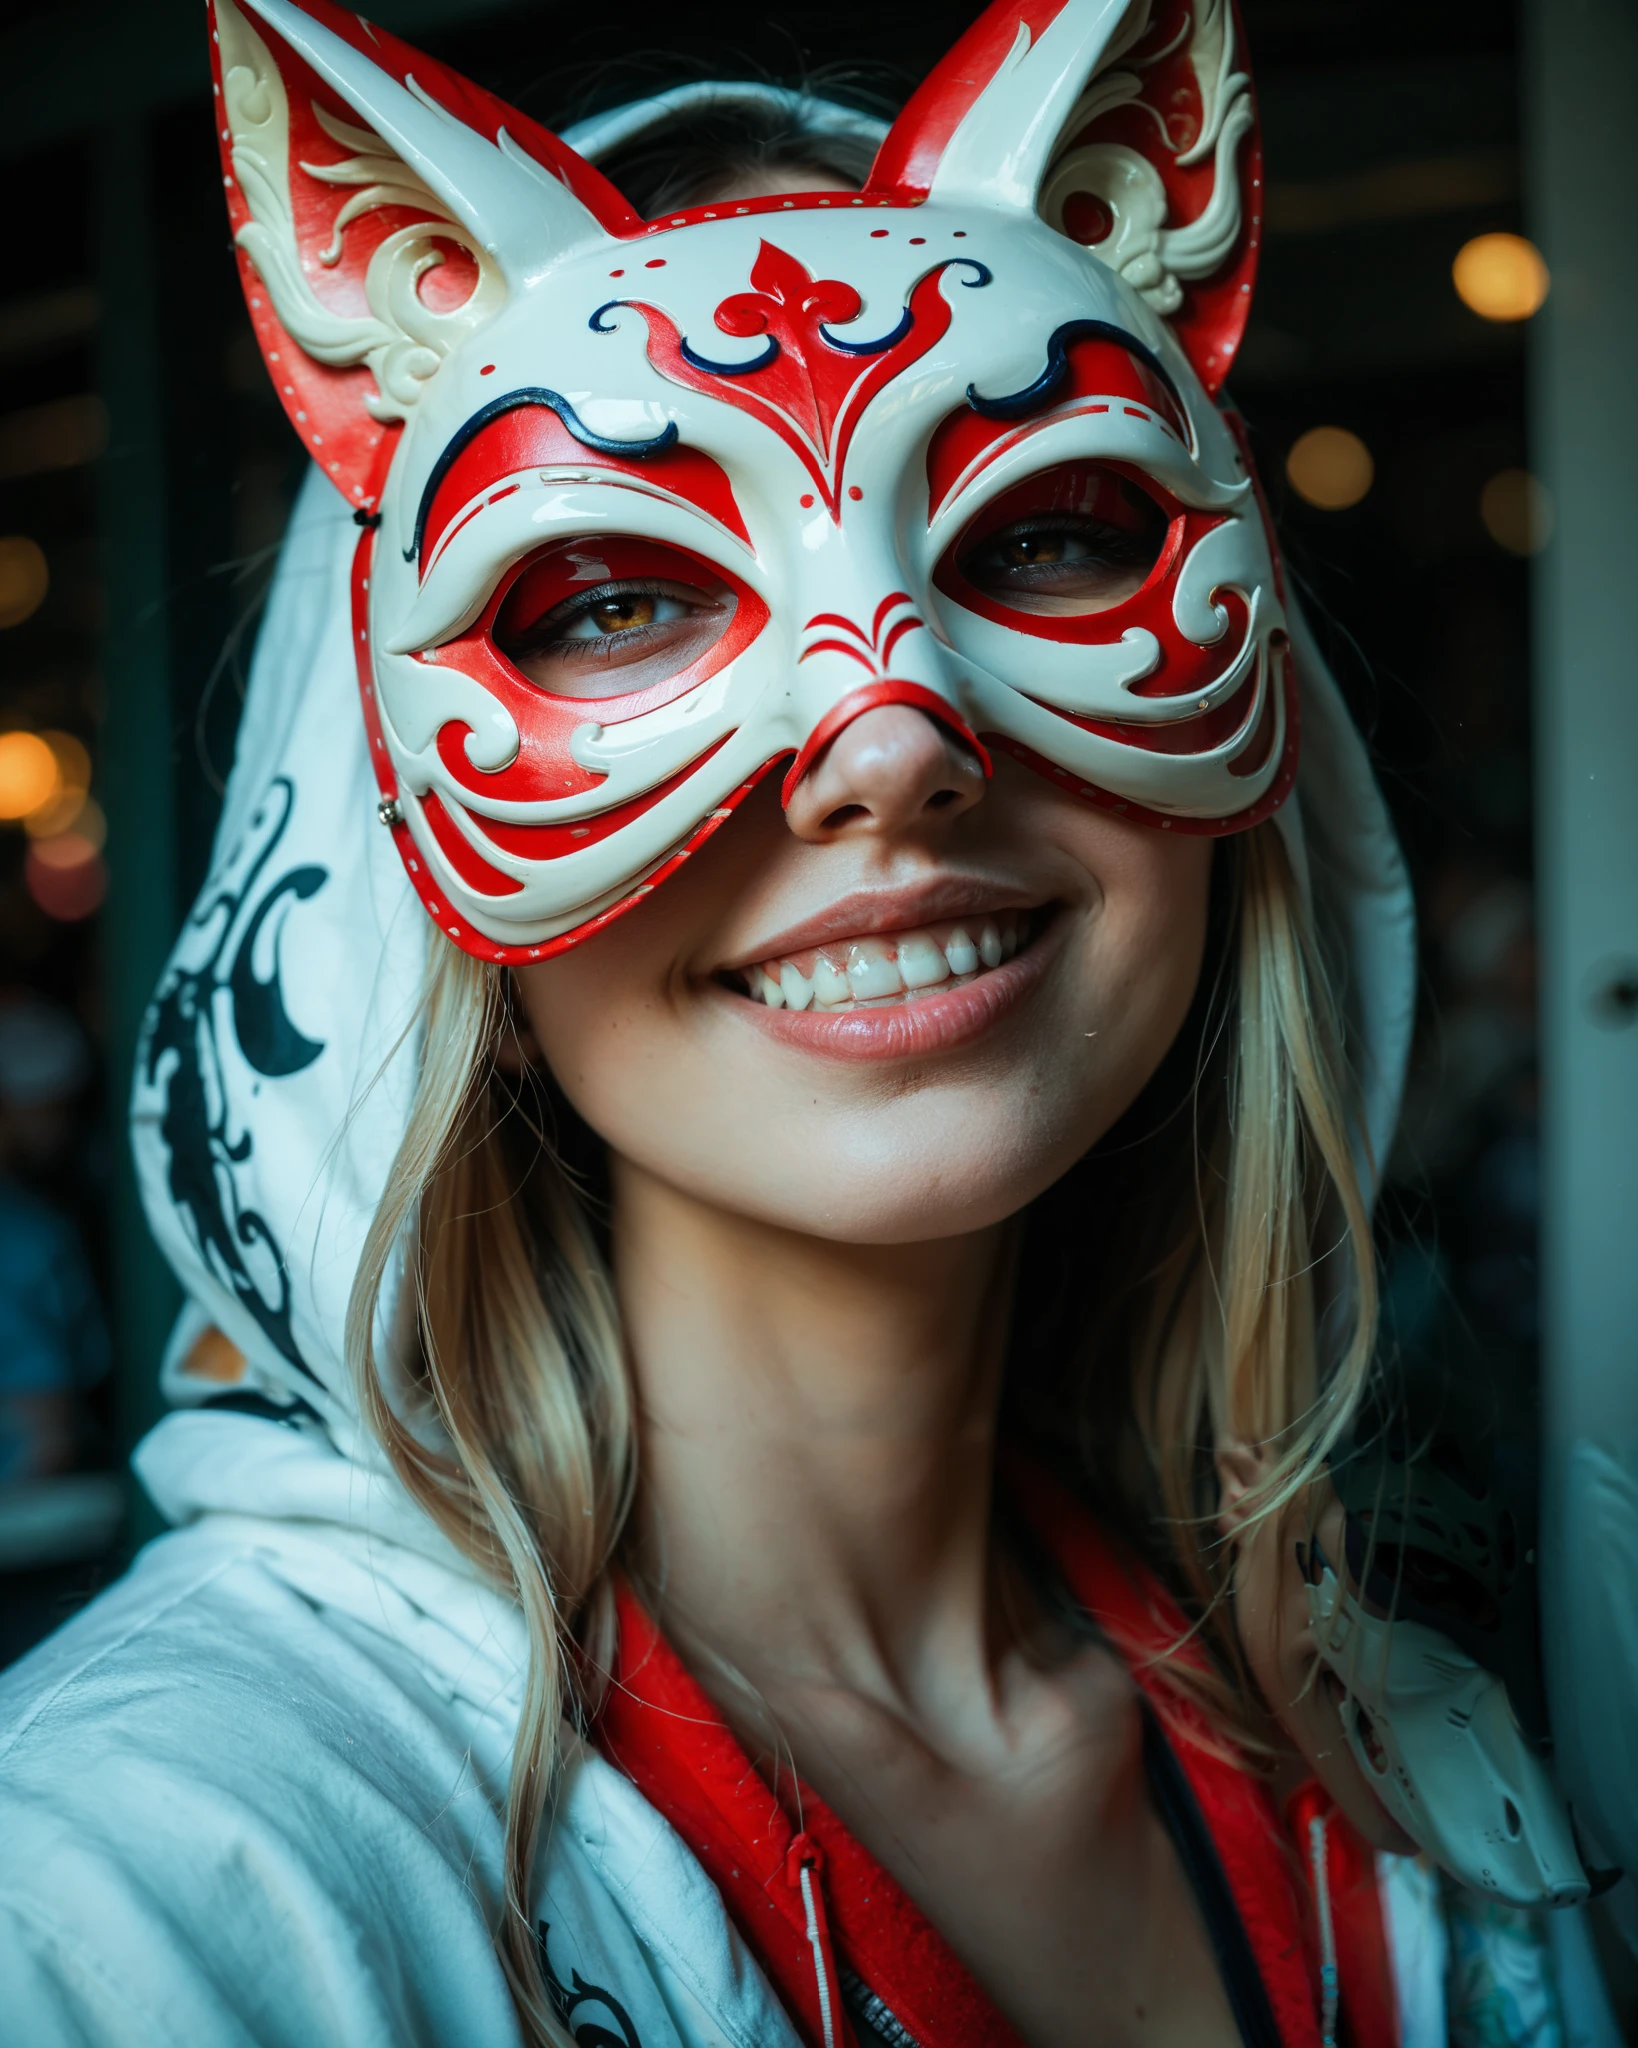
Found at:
<point>277,1059</point>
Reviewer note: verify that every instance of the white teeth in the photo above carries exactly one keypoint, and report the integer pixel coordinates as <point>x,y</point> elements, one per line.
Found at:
<point>921,963</point>
<point>871,973</point>
<point>797,989</point>
<point>829,982</point>
<point>900,964</point>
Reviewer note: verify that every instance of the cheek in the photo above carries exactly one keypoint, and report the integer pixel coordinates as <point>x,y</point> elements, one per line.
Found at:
<point>1144,948</point>
<point>618,1019</point>
<point>599,1014</point>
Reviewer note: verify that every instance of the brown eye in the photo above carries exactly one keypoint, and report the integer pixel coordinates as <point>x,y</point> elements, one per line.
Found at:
<point>623,614</point>
<point>1032,550</point>
<point>620,637</point>
<point>1069,542</point>
<point>1064,565</point>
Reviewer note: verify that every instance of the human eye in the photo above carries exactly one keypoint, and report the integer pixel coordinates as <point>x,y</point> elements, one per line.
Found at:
<point>620,635</point>
<point>1077,562</point>
<point>619,611</point>
<point>1074,541</point>
<point>613,625</point>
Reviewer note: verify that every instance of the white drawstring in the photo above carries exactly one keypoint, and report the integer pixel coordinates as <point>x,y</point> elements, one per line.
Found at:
<point>818,1947</point>
<point>1327,1934</point>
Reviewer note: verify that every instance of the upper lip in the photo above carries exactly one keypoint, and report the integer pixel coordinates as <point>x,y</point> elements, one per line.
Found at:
<point>864,912</point>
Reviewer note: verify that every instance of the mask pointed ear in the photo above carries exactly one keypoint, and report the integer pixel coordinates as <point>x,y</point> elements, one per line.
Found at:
<point>384,209</point>
<point>1131,130</point>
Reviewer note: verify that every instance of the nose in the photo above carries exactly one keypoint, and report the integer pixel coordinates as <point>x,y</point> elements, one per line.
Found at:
<point>890,770</point>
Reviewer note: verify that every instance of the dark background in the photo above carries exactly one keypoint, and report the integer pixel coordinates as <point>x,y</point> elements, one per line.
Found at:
<point>1391,134</point>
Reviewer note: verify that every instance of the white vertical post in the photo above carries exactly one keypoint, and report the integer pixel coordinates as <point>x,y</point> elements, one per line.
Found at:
<point>1580,88</point>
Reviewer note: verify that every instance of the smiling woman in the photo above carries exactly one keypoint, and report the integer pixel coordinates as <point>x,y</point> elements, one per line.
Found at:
<point>757,1284</point>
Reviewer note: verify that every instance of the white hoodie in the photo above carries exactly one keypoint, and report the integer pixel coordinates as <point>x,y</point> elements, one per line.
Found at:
<point>254,1793</point>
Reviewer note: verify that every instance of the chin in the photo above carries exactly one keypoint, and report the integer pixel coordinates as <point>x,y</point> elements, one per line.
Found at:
<point>911,1171</point>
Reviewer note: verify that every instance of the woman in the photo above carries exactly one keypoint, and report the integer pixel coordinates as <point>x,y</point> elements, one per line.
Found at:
<point>707,1365</point>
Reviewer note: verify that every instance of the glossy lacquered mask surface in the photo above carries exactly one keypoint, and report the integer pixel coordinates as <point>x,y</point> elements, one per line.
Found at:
<point>662,505</point>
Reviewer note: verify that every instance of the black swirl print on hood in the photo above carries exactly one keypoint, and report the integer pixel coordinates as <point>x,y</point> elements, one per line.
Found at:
<point>591,2029</point>
<point>236,987</point>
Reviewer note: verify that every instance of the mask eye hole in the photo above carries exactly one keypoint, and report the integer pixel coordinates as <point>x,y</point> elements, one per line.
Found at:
<point>1074,540</point>
<point>609,616</point>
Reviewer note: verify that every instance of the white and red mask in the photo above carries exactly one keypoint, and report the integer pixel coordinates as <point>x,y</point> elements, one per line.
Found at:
<point>651,509</point>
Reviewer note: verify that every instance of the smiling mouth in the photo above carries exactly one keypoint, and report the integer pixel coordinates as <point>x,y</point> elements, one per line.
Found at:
<point>880,970</point>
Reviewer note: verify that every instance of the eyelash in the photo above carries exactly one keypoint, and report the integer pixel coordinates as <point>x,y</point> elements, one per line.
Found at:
<point>1117,542</point>
<point>535,639</point>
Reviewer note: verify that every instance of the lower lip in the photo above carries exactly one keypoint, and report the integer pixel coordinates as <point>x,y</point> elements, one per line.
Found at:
<point>919,1028</point>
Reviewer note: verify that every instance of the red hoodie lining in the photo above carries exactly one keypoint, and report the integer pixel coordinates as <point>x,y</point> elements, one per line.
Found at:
<point>660,1727</point>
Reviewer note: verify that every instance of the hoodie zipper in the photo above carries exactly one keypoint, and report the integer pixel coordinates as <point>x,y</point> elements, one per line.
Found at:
<point>1319,1858</point>
<point>804,1867</point>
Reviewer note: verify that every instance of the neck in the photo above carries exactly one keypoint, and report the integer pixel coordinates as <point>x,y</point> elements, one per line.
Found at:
<point>818,1436</point>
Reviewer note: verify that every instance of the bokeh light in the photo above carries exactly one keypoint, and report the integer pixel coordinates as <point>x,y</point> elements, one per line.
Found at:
<point>1330,468</point>
<point>1517,511</point>
<point>64,869</point>
<point>64,806</point>
<point>56,814</point>
<point>24,578</point>
<point>29,774</point>
<point>87,828</point>
<point>73,762</point>
<point>64,850</point>
<point>62,434</point>
<point>1500,277</point>
<point>66,876</point>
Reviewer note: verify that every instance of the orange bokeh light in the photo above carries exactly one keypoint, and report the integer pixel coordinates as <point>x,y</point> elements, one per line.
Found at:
<point>24,578</point>
<point>29,774</point>
<point>1500,277</point>
<point>1330,468</point>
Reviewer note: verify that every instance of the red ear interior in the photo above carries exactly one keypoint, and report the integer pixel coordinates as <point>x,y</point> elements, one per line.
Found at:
<point>909,156</point>
<point>481,111</point>
<point>326,405</point>
<point>1212,318</point>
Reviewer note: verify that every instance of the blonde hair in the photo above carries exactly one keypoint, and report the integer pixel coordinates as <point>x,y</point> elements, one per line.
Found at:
<point>1239,1217</point>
